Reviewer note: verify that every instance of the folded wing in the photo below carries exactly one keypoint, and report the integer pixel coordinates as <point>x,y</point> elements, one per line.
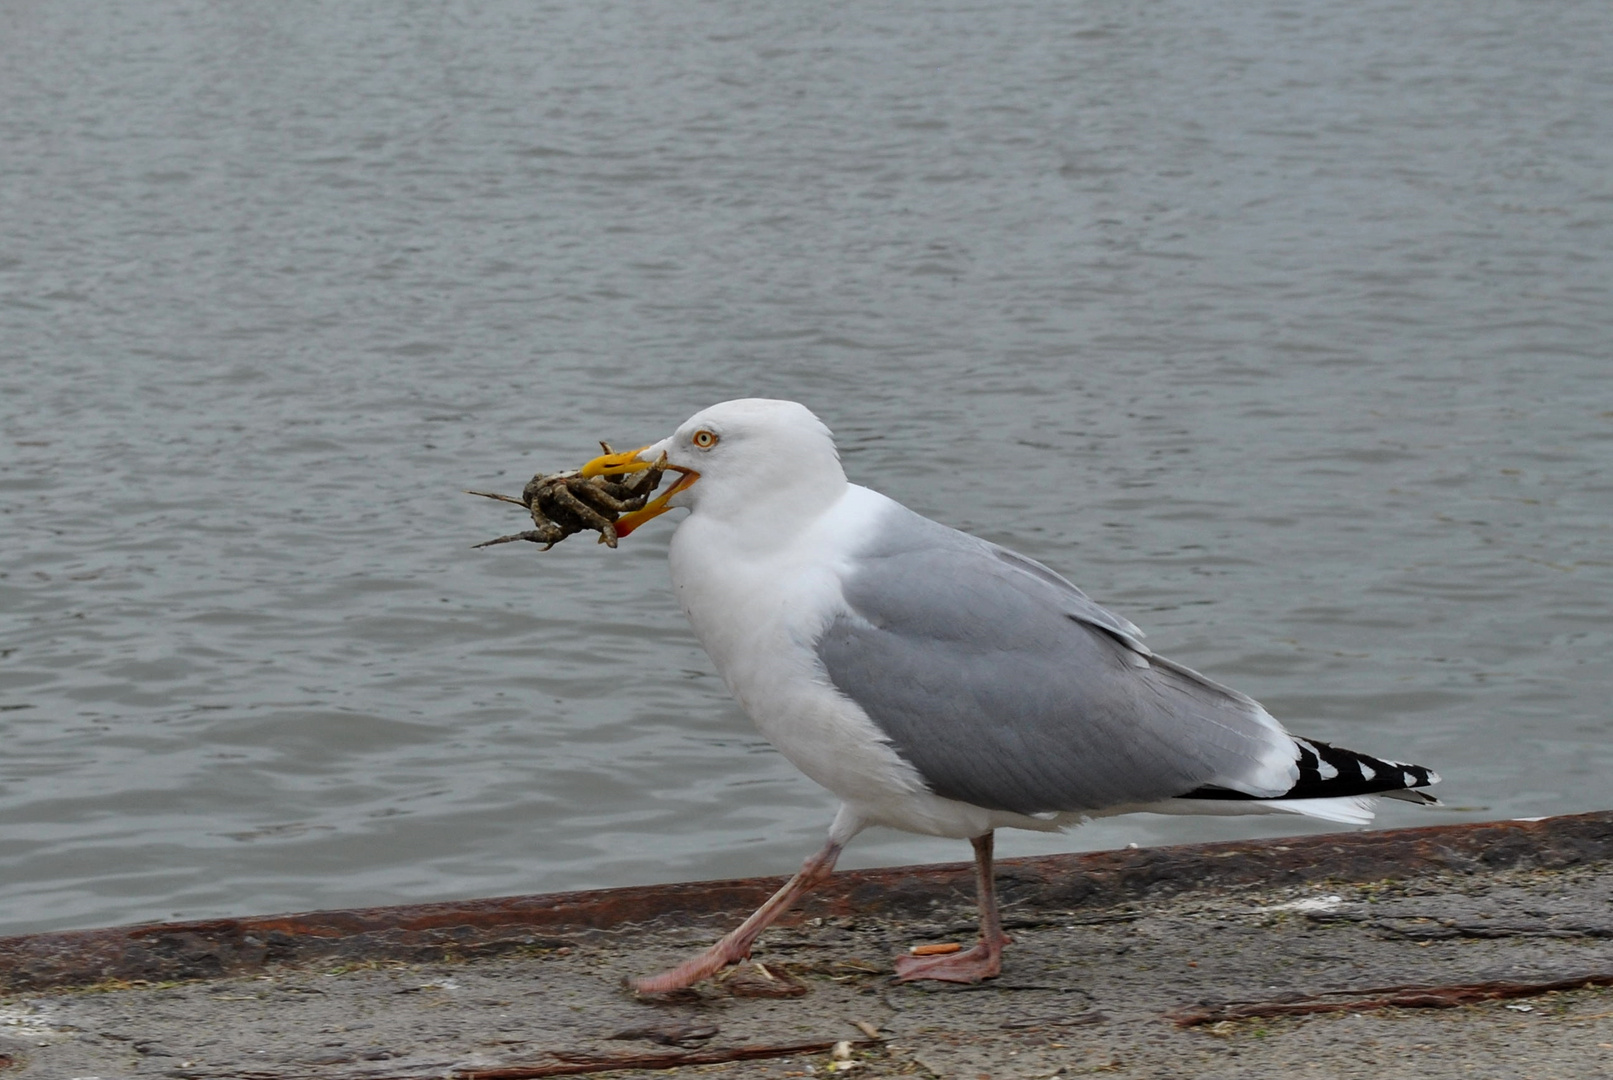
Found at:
<point>1007,687</point>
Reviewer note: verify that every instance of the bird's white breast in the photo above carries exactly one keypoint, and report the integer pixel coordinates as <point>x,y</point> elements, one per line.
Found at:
<point>758,609</point>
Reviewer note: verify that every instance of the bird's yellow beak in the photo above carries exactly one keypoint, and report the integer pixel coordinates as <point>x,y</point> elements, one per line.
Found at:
<point>628,461</point>
<point>616,464</point>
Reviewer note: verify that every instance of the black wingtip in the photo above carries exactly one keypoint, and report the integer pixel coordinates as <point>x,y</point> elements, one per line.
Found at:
<point>1419,798</point>
<point>1331,772</point>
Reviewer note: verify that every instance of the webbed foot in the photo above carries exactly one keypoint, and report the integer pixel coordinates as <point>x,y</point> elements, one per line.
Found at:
<point>984,961</point>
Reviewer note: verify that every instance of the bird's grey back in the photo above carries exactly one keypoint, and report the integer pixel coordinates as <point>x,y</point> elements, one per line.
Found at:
<point>1007,687</point>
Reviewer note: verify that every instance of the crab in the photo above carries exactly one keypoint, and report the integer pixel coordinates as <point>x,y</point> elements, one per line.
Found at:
<point>567,502</point>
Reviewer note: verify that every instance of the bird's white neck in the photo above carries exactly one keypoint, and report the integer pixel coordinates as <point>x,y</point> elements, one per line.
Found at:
<point>771,504</point>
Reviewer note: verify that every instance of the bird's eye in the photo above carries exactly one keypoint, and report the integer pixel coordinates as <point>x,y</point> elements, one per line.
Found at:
<point>705,439</point>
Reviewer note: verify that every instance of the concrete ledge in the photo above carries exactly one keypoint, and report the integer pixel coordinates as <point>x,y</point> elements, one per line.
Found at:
<point>216,947</point>
<point>1469,950</point>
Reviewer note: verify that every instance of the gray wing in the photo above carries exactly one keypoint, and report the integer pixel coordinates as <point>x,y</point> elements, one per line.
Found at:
<point>1008,688</point>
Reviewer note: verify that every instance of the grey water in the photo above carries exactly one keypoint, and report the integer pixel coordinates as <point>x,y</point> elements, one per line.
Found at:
<point>1283,329</point>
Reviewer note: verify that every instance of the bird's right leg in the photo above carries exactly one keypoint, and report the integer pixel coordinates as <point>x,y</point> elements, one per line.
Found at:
<point>985,960</point>
<point>736,945</point>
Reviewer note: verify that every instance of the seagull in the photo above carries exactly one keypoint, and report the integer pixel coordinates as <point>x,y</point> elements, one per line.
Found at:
<point>942,684</point>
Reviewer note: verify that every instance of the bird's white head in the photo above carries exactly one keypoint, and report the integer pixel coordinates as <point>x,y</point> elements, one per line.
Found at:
<point>755,459</point>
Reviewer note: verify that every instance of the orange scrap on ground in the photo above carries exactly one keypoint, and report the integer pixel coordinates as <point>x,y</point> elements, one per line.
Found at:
<point>936,950</point>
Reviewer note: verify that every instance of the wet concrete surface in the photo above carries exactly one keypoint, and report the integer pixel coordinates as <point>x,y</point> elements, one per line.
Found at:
<point>1452,967</point>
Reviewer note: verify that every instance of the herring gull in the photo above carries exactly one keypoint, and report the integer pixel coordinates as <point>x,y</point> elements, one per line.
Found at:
<point>942,684</point>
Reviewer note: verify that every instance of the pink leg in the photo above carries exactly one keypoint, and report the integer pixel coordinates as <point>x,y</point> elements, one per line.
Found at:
<point>736,946</point>
<point>985,960</point>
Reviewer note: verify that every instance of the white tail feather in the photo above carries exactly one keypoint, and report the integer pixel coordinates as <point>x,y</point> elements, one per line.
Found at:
<point>1348,809</point>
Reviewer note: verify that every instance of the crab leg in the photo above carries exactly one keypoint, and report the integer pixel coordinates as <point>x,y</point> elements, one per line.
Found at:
<point>595,520</point>
<point>496,495</point>
<point>606,500</point>
<point>533,535</point>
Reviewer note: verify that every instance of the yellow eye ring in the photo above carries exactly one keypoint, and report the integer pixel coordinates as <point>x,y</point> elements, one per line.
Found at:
<point>704,439</point>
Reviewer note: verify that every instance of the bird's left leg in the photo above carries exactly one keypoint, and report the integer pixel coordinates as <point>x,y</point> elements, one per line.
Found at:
<point>985,960</point>
<point>736,946</point>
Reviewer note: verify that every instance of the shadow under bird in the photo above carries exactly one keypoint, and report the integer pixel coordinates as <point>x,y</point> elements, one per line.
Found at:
<point>939,683</point>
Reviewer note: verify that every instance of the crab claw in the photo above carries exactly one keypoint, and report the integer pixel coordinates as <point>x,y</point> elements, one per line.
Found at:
<point>628,461</point>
